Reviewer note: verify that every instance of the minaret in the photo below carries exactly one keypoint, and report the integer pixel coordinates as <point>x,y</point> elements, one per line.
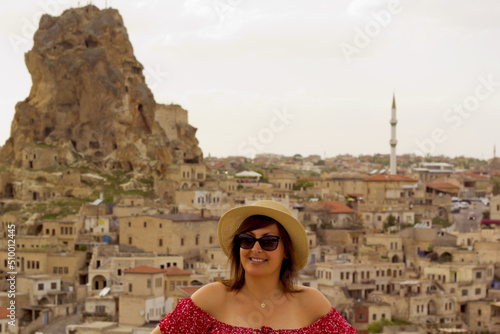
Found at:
<point>393,140</point>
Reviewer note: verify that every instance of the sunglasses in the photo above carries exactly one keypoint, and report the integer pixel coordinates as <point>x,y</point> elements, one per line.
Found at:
<point>267,243</point>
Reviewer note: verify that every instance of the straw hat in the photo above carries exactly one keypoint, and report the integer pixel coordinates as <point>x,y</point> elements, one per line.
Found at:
<point>232,219</point>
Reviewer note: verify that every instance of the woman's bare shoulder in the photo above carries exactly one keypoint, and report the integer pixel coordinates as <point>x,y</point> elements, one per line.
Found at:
<point>210,296</point>
<point>313,302</point>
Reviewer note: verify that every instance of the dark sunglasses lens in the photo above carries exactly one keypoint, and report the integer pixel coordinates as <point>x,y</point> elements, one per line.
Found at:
<point>246,241</point>
<point>269,243</point>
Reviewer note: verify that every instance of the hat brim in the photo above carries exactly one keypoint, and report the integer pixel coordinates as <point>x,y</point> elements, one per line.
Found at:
<point>232,219</point>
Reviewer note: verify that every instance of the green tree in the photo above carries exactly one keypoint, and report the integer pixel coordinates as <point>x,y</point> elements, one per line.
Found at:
<point>303,183</point>
<point>390,221</point>
<point>496,187</point>
<point>378,326</point>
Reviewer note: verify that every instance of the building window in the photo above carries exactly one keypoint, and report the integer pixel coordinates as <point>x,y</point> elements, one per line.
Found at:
<point>145,224</point>
<point>160,242</point>
<point>129,224</point>
<point>478,274</point>
<point>40,286</point>
<point>149,283</point>
<point>210,239</point>
<point>374,317</point>
<point>478,291</point>
<point>464,293</point>
<point>100,309</point>
<point>130,240</point>
<point>182,241</point>
<point>479,312</point>
<point>196,240</point>
<point>172,285</point>
<point>53,286</point>
<point>130,287</point>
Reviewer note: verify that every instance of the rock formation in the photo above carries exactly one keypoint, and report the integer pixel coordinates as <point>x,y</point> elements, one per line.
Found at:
<point>89,103</point>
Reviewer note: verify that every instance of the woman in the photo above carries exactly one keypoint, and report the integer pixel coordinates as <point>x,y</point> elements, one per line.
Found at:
<point>266,247</point>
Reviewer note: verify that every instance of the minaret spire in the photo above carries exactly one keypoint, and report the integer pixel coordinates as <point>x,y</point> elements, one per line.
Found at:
<point>393,141</point>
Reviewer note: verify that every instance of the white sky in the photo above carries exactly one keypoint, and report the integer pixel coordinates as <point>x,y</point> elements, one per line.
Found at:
<point>306,77</point>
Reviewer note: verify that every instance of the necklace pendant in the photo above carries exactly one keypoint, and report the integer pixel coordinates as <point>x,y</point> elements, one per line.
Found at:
<point>263,305</point>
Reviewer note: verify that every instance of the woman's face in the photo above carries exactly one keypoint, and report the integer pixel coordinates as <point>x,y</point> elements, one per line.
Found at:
<point>259,262</point>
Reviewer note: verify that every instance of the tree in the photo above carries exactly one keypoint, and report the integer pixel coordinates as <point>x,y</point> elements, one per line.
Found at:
<point>303,183</point>
<point>390,221</point>
<point>496,187</point>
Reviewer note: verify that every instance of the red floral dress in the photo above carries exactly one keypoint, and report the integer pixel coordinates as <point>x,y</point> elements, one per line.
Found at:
<point>187,318</point>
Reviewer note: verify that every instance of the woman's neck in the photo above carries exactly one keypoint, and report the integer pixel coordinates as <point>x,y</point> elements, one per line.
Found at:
<point>263,287</point>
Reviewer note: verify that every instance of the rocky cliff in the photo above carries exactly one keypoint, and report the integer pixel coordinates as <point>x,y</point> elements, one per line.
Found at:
<point>89,103</point>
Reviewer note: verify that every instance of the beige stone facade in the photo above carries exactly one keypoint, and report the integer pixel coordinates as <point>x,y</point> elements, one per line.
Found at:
<point>108,265</point>
<point>340,185</point>
<point>360,279</point>
<point>280,179</point>
<point>143,299</point>
<point>180,234</point>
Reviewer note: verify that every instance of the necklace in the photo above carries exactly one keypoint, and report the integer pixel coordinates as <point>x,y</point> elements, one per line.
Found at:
<point>262,304</point>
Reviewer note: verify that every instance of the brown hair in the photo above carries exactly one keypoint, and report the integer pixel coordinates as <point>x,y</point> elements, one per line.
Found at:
<point>288,272</point>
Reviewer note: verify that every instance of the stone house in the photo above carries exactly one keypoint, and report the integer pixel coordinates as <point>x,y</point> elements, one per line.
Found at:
<point>174,278</point>
<point>180,177</point>
<point>66,230</point>
<point>359,279</point>
<point>44,289</point>
<point>108,264</point>
<point>392,243</point>
<point>484,315</point>
<point>143,300</point>
<point>366,312</point>
<point>343,241</point>
<point>66,265</point>
<point>280,178</point>
<point>495,207</point>
<point>328,215</point>
<point>340,184</point>
<point>181,234</point>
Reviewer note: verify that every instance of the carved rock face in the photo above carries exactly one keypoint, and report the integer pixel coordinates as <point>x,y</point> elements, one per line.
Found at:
<point>89,99</point>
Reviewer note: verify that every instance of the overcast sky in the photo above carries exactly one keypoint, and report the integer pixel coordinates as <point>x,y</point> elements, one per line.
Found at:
<point>303,77</point>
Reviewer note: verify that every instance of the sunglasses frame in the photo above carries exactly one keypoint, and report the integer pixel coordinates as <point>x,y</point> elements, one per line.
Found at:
<point>272,237</point>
